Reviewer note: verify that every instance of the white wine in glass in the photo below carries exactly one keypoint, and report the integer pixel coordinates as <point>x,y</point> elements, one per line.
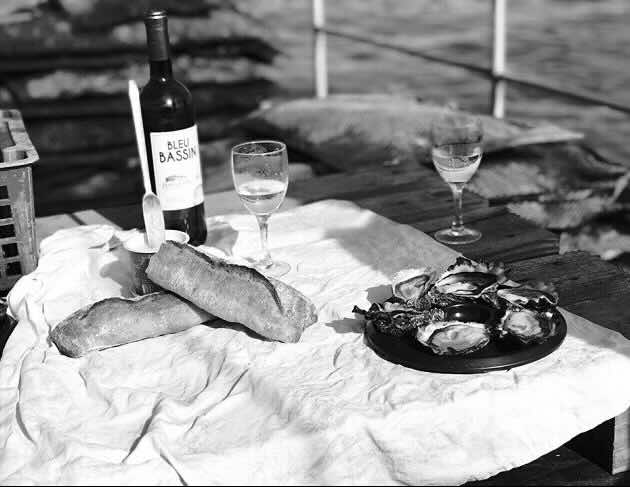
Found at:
<point>457,163</point>
<point>262,196</point>
<point>456,153</point>
<point>260,171</point>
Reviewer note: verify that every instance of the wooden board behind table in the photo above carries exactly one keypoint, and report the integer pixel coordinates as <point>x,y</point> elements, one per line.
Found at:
<point>506,237</point>
<point>377,189</point>
<point>46,226</point>
<point>587,285</point>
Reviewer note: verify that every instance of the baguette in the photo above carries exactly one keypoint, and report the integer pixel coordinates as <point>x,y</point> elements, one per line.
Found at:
<point>117,321</point>
<point>232,292</point>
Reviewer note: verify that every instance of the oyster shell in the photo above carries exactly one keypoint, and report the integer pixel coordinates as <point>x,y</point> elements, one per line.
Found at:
<point>396,319</point>
<point>411,284</point>
<point>454,337</point>
<point>528,326</point>
<point>534,295</point>
<point>492,299</point>
<point>469,280</point>
<point>423,307</point>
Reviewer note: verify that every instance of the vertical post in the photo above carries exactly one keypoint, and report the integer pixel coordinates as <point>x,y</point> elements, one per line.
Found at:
<point>320,68</point>
<point>498,58</point>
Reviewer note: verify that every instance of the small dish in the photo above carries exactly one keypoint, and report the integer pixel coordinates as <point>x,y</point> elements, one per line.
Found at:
<point>141,253</point>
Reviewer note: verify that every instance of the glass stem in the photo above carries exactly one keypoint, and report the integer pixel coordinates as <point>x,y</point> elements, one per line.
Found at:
<point>262,225</point>
<point>458,222</point>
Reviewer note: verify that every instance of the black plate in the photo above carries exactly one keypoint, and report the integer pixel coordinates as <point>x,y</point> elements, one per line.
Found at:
<point>499,354</point>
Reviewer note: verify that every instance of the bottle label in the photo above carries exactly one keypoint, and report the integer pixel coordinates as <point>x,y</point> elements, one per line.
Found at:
<point>177,168</point>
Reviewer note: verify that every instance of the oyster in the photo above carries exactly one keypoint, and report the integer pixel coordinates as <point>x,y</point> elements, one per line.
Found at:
<point>395,318</point>
<point>492,299</point>
<point>454,337</point>
<point>411,284</point>
<point>467,280</point>
<point>528,326</point>
<point>532,295</point>
<point>446,314</point>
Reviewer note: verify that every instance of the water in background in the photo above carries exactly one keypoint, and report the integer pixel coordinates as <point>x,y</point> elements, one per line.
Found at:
<point>577,43</point>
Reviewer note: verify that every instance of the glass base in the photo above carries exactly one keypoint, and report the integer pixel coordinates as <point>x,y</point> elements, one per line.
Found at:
<point>459,237</point>
<point>276,269</point>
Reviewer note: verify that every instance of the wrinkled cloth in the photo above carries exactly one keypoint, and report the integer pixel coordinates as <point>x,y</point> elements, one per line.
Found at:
<point>216,405</point>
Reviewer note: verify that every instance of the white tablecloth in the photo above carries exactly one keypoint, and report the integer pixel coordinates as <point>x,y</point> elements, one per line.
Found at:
<point>215,405</point>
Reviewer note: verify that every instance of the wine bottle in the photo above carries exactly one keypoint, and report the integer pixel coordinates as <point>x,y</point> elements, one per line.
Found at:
<point>171,137</point>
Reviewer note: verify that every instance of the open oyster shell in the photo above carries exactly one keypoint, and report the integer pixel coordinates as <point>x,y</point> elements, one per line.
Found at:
<point>454,337</point>
<point>396,318</point>
<point>533,295</point>
<point>411,284</point>
<point>526,325</point>
<point>421,303</point>
<point>469,280</point>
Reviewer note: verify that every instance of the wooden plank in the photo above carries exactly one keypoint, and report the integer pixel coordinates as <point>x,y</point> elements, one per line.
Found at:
<point>371,182</point>
<point>471,217</point>
<point>612,312</point>
<point>93,217</point>
<point>621,444</point>
<point>416,205</point>
<point>401,194</point>
<point>46,226</point>
<point>417,197</point>
<point>129,216</point>
<point>584,283</point>
<point>506,237</point>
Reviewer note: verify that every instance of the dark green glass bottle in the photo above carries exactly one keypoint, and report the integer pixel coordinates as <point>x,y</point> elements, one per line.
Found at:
<point>171,137</point>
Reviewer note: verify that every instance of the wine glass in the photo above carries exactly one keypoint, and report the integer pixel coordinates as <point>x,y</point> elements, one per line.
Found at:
<point>456,152</point>
<point>260,170</point>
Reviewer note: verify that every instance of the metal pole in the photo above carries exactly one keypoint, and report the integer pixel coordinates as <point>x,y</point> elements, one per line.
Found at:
<point>320,68</point>
<point>498,58</point>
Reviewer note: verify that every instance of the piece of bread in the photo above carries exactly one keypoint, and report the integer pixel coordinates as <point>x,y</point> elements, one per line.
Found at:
<point>232,292</point>
<point>117,321</point>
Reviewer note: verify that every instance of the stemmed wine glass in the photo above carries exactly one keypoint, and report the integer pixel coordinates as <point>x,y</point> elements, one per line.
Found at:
<point>456,152</point>
<point>260,170</point>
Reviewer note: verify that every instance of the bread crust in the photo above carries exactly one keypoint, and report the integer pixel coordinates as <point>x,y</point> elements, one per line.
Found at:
<point>117,321</point>
<point>233,292</point>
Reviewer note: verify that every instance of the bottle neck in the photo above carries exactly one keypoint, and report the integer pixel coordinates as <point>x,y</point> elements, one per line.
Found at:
<point>157,40</point>
<point>160,70</point>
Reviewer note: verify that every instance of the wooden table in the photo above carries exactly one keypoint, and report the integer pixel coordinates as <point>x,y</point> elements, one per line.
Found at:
<point>588,286</point>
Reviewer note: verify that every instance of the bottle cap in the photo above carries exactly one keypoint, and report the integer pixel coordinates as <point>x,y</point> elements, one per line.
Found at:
<point>153,15</point>
<point>155,22</point>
